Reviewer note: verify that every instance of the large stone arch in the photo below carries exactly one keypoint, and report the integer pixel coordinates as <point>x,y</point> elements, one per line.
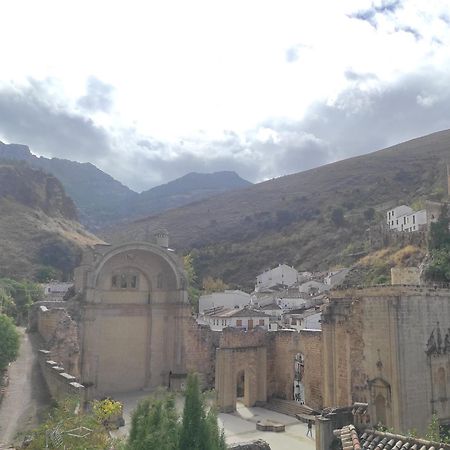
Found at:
<point>146,247</point>
<point>132,333</point>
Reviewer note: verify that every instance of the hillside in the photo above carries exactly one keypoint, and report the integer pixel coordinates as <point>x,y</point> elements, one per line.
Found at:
<point>314,219</point>
<point>187,189</point>
<point>38,224</point>
<point>102,200</point>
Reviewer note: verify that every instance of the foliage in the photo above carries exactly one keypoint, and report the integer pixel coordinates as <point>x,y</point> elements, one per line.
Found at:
<point>193,290</point>
<point>47,273</point>
<point>60,255</point>
<point>23,294</point>
<point>155,425</point>
<point>337,217</point>
<point>9,341</point>
<point>106,410</point>
<point>433,432</point>
<point>199,429</point>
<point>211,284</point>
<point>439,246</point>
<point>369,214</point>
<point>67,416</point>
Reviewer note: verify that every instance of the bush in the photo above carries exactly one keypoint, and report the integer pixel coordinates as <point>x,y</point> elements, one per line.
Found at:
<point>337,217</point>
<point>9,341</point>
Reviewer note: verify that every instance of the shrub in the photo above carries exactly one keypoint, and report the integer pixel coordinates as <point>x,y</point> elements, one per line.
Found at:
<point>9,341</point>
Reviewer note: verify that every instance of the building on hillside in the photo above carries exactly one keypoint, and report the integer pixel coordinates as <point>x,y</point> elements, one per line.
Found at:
<point>55,290</point>
<point>273,310</point>
<point>226,299</point>
<point>244,318</point>
<point>303,319</point>
<point>403,218</point>
<point>336,278</point>
<point>278,277</point>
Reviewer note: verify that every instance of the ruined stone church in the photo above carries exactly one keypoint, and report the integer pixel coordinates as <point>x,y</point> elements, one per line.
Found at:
<point>128,326</point>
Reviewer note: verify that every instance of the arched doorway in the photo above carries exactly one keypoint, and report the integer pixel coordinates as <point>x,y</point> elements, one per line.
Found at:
<point>240,385</point>
<point>299,374</point>
<point>380,409</point>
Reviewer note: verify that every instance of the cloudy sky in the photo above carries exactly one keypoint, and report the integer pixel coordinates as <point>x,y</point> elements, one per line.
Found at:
<point>150,90</point>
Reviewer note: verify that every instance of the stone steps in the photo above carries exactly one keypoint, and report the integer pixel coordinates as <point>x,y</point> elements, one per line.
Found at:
<point>291,408</point>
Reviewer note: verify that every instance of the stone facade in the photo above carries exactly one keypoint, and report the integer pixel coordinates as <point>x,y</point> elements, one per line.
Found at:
<point>134,303</point>
<point>375,351</point>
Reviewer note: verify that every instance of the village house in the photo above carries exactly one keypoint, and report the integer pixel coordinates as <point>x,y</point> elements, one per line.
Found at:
<point>281,276</point>
<point>226,299</point>
<point>244,318</point>
<point>403,218</point>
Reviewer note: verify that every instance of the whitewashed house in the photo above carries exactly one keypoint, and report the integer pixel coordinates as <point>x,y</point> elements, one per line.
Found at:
<point>227,299</point>
<point>55,290</point>
<point>283,275</point>
<point>403,218</point>
<point>219,318</point>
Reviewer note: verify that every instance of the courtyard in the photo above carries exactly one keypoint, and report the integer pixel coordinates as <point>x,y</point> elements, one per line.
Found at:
<point>239,426</point>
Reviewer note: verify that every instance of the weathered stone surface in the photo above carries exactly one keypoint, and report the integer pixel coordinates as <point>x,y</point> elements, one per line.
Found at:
<point>252,445</point>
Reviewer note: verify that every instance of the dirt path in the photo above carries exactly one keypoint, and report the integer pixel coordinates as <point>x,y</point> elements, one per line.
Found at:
<point>26,395</point>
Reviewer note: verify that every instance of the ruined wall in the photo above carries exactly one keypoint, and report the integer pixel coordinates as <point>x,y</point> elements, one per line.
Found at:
<point>200,345</point>
<point>374,351</point>
<point>60,383</point>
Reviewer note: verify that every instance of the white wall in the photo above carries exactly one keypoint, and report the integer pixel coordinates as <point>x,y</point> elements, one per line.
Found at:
<point>227,299</point>
<point>217,323</point>
<point>283,274</point>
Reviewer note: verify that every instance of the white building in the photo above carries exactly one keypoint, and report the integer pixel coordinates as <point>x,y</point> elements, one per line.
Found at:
<point>227,299</point>
<point>219,318</point>
<point>291,302</point>
<point>403,218</point>
<point>56,289</point>
<point>273,310</point>
<point>283,275</point>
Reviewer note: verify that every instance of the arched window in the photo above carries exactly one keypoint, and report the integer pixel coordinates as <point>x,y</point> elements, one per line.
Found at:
<point>125,280</point>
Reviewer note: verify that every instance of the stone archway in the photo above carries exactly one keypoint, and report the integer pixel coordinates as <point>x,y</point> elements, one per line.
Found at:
<point>231,365</point>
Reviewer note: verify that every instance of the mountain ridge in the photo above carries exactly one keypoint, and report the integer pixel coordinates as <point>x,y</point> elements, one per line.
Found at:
<point>290,219</point>
<point>102,200</point>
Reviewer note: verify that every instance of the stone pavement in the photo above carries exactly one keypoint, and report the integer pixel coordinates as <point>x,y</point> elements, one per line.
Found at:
<point>241,426</point>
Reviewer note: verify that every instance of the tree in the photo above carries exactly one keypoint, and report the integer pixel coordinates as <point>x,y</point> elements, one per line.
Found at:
<point>369,214</point>
<point>211,284</point>
<point>337,217</point>
<point>199,429</point>
<point>9,341</point>
<point>193,290</point>
<point>154,425</point>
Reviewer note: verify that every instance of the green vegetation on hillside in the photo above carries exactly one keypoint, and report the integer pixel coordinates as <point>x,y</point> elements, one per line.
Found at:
<point>9,342</point>
<point>439,247</point>
<point>312,220</point>
<point>16,297</point>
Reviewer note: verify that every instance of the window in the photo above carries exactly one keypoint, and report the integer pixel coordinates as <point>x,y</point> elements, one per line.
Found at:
<point>261,322</point>
<point>239,323</point>
<point>125,281</point>
<point>414,219</point>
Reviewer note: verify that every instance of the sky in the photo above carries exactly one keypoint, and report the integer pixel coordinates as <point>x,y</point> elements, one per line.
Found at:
<point>151,90</point>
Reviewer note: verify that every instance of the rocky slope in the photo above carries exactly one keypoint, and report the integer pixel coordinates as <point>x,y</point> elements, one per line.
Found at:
<point>314,219</point>
<point>38,223</point>
<point>102,200</point>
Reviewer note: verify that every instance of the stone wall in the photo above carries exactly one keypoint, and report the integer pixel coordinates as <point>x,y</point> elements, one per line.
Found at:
<point>375,343</point>
<point>60,383</point>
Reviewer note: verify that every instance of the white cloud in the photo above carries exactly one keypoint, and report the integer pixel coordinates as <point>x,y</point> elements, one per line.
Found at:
<point>175,85</point>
